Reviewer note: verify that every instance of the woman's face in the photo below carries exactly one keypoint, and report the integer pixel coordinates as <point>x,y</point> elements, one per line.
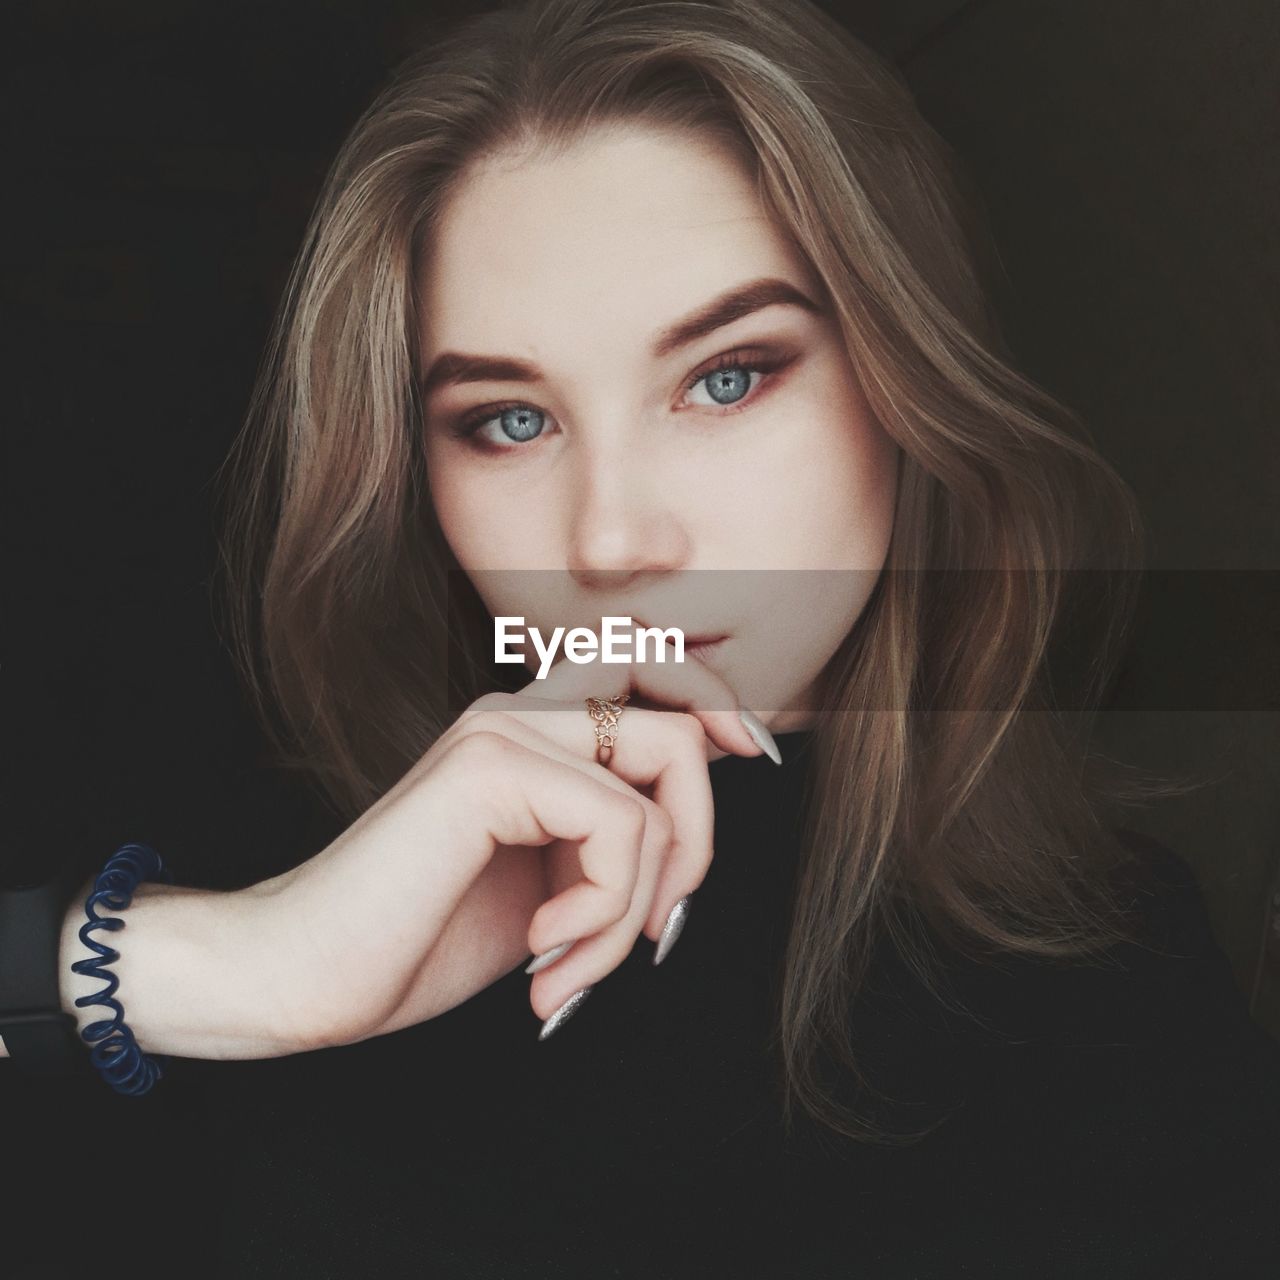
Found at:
<point>602,417</point>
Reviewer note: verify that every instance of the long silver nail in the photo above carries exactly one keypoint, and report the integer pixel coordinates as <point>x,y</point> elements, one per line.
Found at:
<point>564,1013</point>
<point>760,735</point>
<point>671,930</point>
<point>549,957</point>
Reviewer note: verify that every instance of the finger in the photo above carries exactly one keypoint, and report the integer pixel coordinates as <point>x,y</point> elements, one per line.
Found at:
<point>623,839</point>
<point>665,755</point>
<point>659,750</point>
<point>594,957</point>
<point>683,788</point>
<point>690,686</point>
<point>542,799</point>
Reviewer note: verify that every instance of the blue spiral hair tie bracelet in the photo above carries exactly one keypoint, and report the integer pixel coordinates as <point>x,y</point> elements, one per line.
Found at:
<point>114,1052</point>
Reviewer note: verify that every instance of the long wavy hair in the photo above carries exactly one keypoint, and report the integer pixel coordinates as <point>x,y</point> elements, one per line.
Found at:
<point>954,791</point>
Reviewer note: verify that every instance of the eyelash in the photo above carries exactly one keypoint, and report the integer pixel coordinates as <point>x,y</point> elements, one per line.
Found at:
<point>748,359</point>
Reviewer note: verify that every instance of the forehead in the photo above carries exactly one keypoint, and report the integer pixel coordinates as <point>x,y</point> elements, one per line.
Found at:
<point>617,234</point>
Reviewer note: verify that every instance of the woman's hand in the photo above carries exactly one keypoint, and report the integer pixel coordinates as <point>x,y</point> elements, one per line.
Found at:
<point>505,839</point>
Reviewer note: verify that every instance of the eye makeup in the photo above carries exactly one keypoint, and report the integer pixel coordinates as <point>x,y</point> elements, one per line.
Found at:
<point>762,359</point>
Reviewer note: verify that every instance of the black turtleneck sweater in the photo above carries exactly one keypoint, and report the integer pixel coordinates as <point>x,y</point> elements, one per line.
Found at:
<point>1119,1121</point>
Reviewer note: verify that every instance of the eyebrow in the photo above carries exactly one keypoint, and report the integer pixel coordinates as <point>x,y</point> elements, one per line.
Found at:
<point>452,367</point>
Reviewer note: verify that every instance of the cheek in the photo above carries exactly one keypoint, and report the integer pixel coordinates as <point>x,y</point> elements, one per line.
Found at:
<point>455,508</point>
<point>486,520</point>
<point>503,541</point>
<point>858,491</point>
<point>817,491</point>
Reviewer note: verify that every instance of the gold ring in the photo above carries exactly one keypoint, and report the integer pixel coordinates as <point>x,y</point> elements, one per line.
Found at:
<point>604,714</point>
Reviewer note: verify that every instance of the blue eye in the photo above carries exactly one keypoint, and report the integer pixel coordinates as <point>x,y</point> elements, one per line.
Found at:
<point>518,424</point>
<point>729,382</point>
<point>521,423</point>
<point>735,375</point>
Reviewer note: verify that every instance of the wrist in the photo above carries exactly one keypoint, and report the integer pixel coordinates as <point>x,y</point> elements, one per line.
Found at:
<point>195,970</point>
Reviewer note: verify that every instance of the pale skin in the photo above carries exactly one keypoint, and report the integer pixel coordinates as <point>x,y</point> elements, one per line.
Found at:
<point>507,837</point>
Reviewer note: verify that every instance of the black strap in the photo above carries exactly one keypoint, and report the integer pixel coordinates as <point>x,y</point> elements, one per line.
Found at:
<point>39,1036</point>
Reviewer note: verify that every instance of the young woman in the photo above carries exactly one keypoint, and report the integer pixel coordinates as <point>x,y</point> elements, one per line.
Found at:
<point>673,311</point>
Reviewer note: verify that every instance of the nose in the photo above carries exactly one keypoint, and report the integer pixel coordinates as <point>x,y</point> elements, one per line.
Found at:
<point>620,524</point>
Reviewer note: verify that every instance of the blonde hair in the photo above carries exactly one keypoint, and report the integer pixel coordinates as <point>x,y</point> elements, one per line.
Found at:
<point>953,786</point>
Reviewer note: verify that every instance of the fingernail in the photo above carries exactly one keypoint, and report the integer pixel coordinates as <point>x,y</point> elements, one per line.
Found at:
<point>549,957</point>
<point>760,735</point>
<point>564,1013</point>
<point>671,930</point>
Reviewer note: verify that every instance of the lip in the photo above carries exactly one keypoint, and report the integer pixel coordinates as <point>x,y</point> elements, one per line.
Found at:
<point>696,646</point>
<point>705,638</point>
<point>704,650</point>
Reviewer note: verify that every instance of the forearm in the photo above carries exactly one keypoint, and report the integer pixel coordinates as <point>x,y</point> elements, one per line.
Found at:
<point>197,979</point>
